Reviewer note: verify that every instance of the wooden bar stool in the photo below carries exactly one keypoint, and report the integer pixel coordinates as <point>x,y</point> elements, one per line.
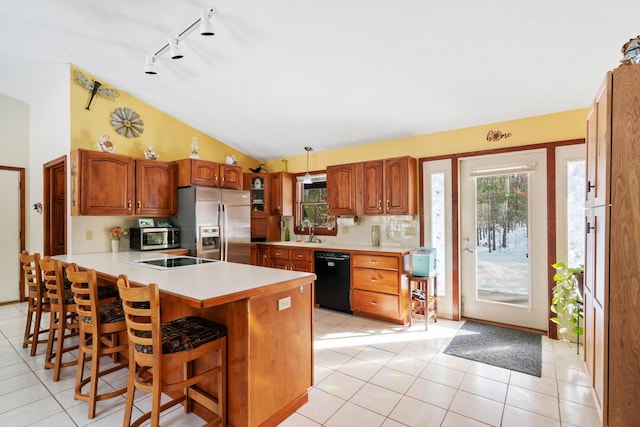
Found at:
<point>64,322</point>
<point>154,345</point>
<point>37,299</point>
<point>101,321</point>
<point>425,297</point>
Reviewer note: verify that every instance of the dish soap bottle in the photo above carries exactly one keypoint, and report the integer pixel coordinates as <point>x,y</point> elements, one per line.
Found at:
<point>286,234</point>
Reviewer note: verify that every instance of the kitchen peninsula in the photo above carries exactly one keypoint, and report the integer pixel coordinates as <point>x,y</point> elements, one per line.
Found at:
<point>268,314</point>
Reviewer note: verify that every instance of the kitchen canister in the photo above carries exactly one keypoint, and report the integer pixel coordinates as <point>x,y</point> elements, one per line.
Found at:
<point>375,235</point>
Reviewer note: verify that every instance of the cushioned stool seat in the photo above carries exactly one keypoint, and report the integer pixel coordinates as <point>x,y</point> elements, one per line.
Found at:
<point>155,347</point>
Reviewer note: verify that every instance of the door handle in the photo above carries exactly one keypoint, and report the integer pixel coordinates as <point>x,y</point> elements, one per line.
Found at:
<point>468,251</point>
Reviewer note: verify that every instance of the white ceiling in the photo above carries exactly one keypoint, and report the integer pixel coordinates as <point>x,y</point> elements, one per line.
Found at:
<point>283,74</point>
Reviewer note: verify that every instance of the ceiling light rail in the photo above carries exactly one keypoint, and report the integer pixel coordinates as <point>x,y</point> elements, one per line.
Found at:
<point>203,24</point>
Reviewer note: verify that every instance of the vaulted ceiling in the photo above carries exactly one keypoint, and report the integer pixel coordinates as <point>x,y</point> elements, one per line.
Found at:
<point>283,74</point>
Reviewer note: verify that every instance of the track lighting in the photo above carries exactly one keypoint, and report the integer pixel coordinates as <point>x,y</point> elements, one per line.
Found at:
<point>150,65</point>
<point>205,28</point>
<point>174,49</point>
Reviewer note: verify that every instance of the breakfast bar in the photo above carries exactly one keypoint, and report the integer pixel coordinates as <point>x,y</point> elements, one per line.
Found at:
<point>268,313</point>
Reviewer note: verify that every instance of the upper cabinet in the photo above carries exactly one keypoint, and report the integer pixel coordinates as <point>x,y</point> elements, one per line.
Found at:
<point>280,194</point>
<point>342,189</point>
<point>112,184</point>
<point>400,186</point>
<point>209,174</point>
<point>373,188</point>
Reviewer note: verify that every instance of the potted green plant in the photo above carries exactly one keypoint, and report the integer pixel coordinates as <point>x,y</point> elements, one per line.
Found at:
<point>567,300</point>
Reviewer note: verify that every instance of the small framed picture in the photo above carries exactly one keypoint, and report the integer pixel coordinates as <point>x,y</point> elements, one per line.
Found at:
<point>146,222</point>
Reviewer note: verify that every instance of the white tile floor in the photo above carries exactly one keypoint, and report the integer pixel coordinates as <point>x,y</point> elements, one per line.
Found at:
<point>367,373</point>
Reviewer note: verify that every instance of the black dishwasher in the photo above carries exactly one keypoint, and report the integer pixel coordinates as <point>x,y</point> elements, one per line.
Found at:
<point>333,282</point>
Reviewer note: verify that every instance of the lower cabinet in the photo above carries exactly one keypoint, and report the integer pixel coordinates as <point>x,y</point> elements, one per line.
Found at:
<point>379,286</point>
<point>296,259</point>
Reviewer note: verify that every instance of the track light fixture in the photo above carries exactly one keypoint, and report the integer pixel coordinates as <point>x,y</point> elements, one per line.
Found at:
<point>203,24</point>
<point>150,65</point>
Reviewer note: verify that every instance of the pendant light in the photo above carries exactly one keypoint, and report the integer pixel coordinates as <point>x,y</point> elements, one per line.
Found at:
<point>307,177</point>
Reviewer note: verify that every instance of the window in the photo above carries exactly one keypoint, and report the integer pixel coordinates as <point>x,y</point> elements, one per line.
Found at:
<point>311,204</point>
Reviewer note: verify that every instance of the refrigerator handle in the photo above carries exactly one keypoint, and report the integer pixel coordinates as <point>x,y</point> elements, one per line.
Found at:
<point>224,233</point>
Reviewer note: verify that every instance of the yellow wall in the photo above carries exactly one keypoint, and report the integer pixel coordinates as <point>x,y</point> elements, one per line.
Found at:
<point>561,126</point>
<point>170,137</point>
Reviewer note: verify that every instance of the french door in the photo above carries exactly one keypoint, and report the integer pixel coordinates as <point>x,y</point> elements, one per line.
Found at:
<point>503,238</point>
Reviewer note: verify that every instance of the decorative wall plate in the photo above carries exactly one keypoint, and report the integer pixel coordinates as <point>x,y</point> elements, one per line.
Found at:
<point>127,122</point>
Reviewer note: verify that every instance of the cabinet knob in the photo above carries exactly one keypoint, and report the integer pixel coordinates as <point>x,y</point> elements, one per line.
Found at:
<point>301,289</point>
<point>139,205</point>
<point>379,204</point>
<point>129,205</point>
<point>388,203</point>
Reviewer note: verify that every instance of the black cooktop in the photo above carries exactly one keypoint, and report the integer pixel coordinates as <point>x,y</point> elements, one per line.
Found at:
<point>166,263</point>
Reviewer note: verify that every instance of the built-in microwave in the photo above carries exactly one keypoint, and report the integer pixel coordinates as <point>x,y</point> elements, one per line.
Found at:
<point>150,238</point>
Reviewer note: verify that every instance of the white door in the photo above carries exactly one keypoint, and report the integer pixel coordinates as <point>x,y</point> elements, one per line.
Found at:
<point>9,235</point>
<point>503,244</point>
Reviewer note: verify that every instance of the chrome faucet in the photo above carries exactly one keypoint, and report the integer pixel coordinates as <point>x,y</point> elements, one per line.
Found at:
<point>312,230</point>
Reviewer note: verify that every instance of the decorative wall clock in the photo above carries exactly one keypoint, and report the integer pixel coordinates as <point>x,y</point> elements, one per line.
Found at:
<point>95,87</point>
<point>127,122</point>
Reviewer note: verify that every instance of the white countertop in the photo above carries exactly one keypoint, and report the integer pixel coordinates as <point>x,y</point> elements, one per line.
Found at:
<point>332,246</point>
<point>202,282</point>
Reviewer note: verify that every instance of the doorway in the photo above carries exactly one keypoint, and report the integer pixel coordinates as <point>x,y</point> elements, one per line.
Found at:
<point>503,238</point>
<point>12,218</point>
<point>55,206</point>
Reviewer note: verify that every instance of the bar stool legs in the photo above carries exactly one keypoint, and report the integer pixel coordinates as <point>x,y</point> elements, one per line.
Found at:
<point>38,301</point>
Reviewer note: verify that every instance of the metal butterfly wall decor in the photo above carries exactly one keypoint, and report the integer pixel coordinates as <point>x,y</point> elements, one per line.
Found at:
<point>95,87</point>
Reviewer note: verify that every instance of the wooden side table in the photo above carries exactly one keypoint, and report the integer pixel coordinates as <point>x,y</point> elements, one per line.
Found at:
<point>423,296</point>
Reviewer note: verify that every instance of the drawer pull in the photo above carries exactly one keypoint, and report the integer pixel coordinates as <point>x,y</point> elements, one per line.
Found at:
<point>373,261</point>
<point>299,255</point>
<point>373,302</point>
<point>373,279</point>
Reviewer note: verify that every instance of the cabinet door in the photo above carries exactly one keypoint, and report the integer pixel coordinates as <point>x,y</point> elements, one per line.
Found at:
<point>341,189</point>
<point>156,188</point>
<point>106,183</point>
<point>197,172</point>
<point>598,143</point>
<point>275,194</point>
<point>231,177</point>
<point>400,186</point>
<point>373,188</point>
<point>280,194</point>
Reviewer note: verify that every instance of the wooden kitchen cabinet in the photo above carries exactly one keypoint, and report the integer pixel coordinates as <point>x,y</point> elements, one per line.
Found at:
<point>296,259</point>
<point>206,173</point>
<point>390,187</point>
<point>343,189</point>
<point>112,184</point>
<point>612,247</point>
<point>379,286</point>
<point>280,194</point>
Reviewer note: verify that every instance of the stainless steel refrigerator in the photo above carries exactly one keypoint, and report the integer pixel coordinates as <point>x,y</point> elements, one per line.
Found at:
<point>215,223</point>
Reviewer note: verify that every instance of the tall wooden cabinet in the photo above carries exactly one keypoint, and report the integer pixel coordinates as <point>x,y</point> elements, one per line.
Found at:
<point>612,258</point>
<point>112,184</point>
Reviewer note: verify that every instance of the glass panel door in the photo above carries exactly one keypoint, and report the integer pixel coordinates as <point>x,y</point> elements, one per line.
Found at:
<point>503,245</point>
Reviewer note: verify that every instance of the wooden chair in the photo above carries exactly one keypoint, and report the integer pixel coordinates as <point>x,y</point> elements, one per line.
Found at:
<point>37,299</point>
<point>64,322</point>
<point>101,321</point>
<point>154,345</point>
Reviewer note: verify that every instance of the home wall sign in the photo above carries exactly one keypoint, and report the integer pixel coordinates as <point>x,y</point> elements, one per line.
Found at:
<point>127,122</point>
<point>496,135</point>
